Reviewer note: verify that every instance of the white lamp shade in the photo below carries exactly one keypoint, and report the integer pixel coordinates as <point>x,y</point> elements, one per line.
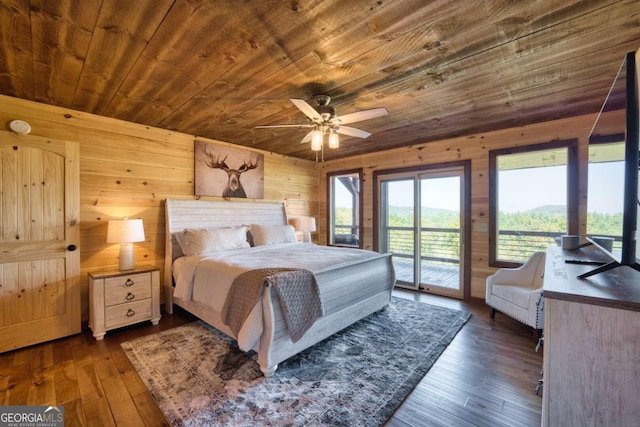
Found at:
<point>125,231</point>
<point>305,224</point>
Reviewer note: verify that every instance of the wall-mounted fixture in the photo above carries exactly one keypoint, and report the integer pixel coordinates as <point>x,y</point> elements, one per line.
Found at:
<point>20,126</point>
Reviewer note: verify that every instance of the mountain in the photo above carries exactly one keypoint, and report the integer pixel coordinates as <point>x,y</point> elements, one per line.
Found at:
<point>408,210</point>
<point>549,210</point>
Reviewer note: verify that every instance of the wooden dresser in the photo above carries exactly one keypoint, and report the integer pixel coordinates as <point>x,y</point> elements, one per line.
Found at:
<point>121,298</point>
<point>591,345</point>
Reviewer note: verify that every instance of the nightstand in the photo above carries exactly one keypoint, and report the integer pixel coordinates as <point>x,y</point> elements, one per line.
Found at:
<point>120,298</point>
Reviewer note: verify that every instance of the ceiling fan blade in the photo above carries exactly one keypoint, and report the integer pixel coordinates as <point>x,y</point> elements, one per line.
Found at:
<point>307,138</point>
<point>358,133</point>
<point>307,109</point>
<point>283,126</point>
<point>362,115</point>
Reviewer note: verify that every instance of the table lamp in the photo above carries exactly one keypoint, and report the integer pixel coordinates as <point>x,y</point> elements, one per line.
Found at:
<point>125,231</point>
<point>305,224</point>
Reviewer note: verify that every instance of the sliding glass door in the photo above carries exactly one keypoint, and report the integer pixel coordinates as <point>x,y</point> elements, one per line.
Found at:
<point>421,223</point>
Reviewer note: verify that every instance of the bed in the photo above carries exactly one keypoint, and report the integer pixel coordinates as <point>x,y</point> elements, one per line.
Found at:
<point>349,289</point>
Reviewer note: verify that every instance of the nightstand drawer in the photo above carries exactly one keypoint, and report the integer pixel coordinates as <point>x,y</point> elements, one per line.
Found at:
<point>119,295</point>
<point>127,282</point>
<point>125,314</point>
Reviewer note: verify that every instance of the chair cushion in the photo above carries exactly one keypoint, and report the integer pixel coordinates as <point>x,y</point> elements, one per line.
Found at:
<point>516,294</point>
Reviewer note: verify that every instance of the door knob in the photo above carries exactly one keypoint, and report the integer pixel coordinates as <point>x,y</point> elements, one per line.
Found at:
<point>72,248</point>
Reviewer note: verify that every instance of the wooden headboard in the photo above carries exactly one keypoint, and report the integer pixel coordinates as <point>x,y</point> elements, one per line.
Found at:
<point>186,213</point>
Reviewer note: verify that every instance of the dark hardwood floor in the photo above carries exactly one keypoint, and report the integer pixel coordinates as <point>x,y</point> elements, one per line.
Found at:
<point>485,377</point>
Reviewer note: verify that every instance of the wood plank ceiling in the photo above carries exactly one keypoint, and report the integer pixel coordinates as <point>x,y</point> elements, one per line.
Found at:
<point>218,68</point>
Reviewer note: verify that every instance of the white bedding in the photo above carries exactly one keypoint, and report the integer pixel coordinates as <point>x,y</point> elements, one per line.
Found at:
<point>207,278</point>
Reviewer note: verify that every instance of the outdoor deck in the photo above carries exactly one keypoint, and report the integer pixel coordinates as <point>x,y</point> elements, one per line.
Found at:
<point>436,274</point>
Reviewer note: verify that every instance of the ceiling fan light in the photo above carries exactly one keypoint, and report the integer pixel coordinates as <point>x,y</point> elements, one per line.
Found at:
<point>334,140</point>
<point>316,140</point>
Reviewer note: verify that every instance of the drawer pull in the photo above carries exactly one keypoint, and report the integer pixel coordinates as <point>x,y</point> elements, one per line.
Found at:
<point>128,283</point>
<point>130,313</point>
<point>129,296</point>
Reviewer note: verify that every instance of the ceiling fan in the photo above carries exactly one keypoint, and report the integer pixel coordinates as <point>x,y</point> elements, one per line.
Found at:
<point>324,120</point>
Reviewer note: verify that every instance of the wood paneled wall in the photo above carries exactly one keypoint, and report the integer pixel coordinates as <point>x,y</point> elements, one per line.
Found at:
<point>127,169</point>
<point>475,148</point>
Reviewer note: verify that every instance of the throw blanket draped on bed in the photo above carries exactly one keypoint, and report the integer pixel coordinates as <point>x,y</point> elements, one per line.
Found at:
<point>297,291</point>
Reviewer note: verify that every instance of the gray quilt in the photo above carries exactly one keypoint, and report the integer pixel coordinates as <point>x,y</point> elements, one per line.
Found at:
<point>297,290</point>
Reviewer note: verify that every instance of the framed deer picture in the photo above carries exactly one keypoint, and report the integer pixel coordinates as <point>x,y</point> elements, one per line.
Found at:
<point>228,172</point>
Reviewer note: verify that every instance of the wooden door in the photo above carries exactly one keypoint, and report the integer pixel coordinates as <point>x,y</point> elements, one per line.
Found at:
<point>39,233</point>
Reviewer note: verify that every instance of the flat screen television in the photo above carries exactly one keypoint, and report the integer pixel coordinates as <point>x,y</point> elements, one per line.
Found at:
<point>624,92</point>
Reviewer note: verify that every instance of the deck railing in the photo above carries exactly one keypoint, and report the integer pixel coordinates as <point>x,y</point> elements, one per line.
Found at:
<point>340,228</point>
<point>518,245</point>
<point>442,245</point>
<point>438,245</point>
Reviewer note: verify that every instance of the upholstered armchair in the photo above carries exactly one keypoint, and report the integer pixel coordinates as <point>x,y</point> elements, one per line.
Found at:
<point>517,292</point>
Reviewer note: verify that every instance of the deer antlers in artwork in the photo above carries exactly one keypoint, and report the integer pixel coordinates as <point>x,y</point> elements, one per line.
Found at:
<point>234,186</point>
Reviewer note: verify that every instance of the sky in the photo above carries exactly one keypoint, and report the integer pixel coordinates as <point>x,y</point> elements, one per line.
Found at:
<point>606,183</point>
<point>529,188</point>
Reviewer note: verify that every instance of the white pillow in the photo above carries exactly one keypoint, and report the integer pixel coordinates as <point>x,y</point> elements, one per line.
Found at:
<point>272,234</point>
<point>195,241</point>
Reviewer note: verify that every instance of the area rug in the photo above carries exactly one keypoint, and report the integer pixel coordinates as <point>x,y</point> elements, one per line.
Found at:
<point>357,377</point>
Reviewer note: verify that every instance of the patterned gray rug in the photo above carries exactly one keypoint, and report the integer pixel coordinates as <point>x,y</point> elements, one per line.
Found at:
<point>357,377</point>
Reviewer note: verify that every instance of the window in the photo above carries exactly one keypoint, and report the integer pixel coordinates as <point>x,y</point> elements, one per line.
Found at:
<point>605,191</point>
<point>533,199</point>
<point>345,208</point>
